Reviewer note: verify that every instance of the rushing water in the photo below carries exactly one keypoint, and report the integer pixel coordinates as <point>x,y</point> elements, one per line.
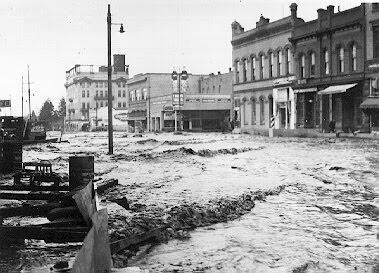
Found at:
<point>325,219</point>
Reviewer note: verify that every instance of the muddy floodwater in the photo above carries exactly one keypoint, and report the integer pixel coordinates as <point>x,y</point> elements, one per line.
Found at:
<point>231,203</point>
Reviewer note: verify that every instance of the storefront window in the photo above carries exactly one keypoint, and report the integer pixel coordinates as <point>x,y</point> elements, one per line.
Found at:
<point>374,87</point>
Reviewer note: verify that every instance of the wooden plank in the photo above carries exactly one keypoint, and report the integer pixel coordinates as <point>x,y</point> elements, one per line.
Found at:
<point>38,210</point>
<point>34,188</point>
<point>101,187</point>
<point>32,196</point>
<point>119,245</point>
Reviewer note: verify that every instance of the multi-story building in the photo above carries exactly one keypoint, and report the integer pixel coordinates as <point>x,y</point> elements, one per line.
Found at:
<point>205,102</point>
<point>87,91</point>
<point>263,73</point>
<point>329,65</point>
<point>370,105</point>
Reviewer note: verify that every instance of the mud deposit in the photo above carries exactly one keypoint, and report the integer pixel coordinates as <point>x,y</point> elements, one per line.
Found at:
<point>227,203</point>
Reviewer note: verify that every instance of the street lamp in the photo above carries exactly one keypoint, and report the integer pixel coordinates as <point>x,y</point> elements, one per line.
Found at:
<point>178,77</point>
<point>110,116</point>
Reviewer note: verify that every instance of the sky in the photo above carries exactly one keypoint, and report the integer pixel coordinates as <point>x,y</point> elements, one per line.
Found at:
<point>52,36</point>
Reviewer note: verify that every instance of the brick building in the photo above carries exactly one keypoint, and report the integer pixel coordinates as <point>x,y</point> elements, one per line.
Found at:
<point>263,73</point>
<point>87,91</point>
<point>370,104</point>
<point>329,55</point>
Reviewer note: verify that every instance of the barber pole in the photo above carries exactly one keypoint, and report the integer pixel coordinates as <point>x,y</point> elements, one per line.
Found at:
<point>272,122</point>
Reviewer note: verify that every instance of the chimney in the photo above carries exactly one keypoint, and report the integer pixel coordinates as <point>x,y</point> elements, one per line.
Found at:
<point>320,14</point>
<point>330,9</point>
<point>119,62</point>
<point>218,73</point>
<point>293,8</point>
<point>262,21</point>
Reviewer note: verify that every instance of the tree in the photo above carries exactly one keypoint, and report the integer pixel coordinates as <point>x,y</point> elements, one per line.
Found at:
<point>46,113</point>
<point>62,108</point>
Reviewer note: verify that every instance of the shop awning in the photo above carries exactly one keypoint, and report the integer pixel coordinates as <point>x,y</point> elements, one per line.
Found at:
<point>305,90</point>
<point>335,89</point>
<point>370,103</point>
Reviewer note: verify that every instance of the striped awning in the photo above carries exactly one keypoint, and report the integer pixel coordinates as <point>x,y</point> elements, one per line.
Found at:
<point>370,103</point>
<point>335,89</point>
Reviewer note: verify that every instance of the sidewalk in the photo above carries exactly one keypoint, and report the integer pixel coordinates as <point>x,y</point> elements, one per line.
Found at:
<point>311,133</point>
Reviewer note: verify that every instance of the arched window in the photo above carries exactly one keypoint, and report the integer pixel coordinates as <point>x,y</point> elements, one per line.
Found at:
<point>312,67</point>
<point>271,64</point>
<point>261,65</point>
<point>302,66</point>
<point>253,68</point>
<point>253,111</point>
<point>326,62</point>
<point>262,110</point>
<point>244,70</point>
<point>280,61</point>
<point>341,60</point>
<point>288,61</point>
<point>354,57</point>
<point>237,69</point>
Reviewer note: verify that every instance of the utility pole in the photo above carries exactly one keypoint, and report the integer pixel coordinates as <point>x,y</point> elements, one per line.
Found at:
<point>110,119</point>
<point>110,97</point>
<point>30,108</point>
<point>22,97</point>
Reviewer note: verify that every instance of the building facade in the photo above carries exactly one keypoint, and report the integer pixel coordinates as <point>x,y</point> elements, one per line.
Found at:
<point>370,104</point>
<point>87,91</point>
<point>154,103</point>
<point>263,74</point>
<point>329,55</point>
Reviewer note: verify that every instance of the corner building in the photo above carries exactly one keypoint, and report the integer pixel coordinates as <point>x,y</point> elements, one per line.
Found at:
<point>263,74</point>
<point>329,55</point>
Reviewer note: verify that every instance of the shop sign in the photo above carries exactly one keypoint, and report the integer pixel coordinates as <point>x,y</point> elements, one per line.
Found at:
<point>5,103</point>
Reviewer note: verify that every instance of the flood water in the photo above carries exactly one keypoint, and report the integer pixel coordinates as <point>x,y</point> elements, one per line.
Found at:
<point>322,220</point>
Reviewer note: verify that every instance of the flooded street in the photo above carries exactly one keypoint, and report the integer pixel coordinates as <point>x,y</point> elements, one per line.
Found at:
<point>232,203</point>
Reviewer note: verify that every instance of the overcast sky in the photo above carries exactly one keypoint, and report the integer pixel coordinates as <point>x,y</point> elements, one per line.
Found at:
<point>52,36</point>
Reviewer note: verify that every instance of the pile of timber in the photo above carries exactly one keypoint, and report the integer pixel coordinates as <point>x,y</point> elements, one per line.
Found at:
<point>65,220</point>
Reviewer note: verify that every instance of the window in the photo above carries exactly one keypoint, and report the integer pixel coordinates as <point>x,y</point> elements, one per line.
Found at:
<point>354,58</point>
<point>119,93</point>
<point>83,105</point>
<point>244,70</point>
<point>106,94</point>
<point>119,104</point>
<point>101,104</point>
<point>302,66</point>
<point>87,105</point>
<point>326,62</point>
<point>245,103</point>
<point>312,69</point>
<point>253,111</point>
<point>288,61</point>
<point>207,89</point>
<point>132,95</point>
<point>87,93</point>
<point>97,85</point>
<point>341,60</point>
<point>253,69</point>
<point>101,85</point>
<point>97,93</point>
<point>124,104</point>
<point>144,94</point>
<point>261,64</point>
<point>101,93</point>
<point>124,93</point>
<point>214,89</point>
<point>375,7</point>
<point>83,94</point>
<point>118,84</point>
<point>280,60</point>
<point>271,64</point>
<point>374,87</point>
<point>262,110</point>
<point>105,84</point>
<point>123,84</point>
<point>219,89</point>
<point>237,72</point>
<point>138,95</point>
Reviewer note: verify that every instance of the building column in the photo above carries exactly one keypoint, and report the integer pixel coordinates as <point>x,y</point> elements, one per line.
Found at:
<point>330,107</point>
<point>190,124</point>
<point>242,114</point>
<point>176,121</point>
<point>162,121</point>
<point>321,121</point>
